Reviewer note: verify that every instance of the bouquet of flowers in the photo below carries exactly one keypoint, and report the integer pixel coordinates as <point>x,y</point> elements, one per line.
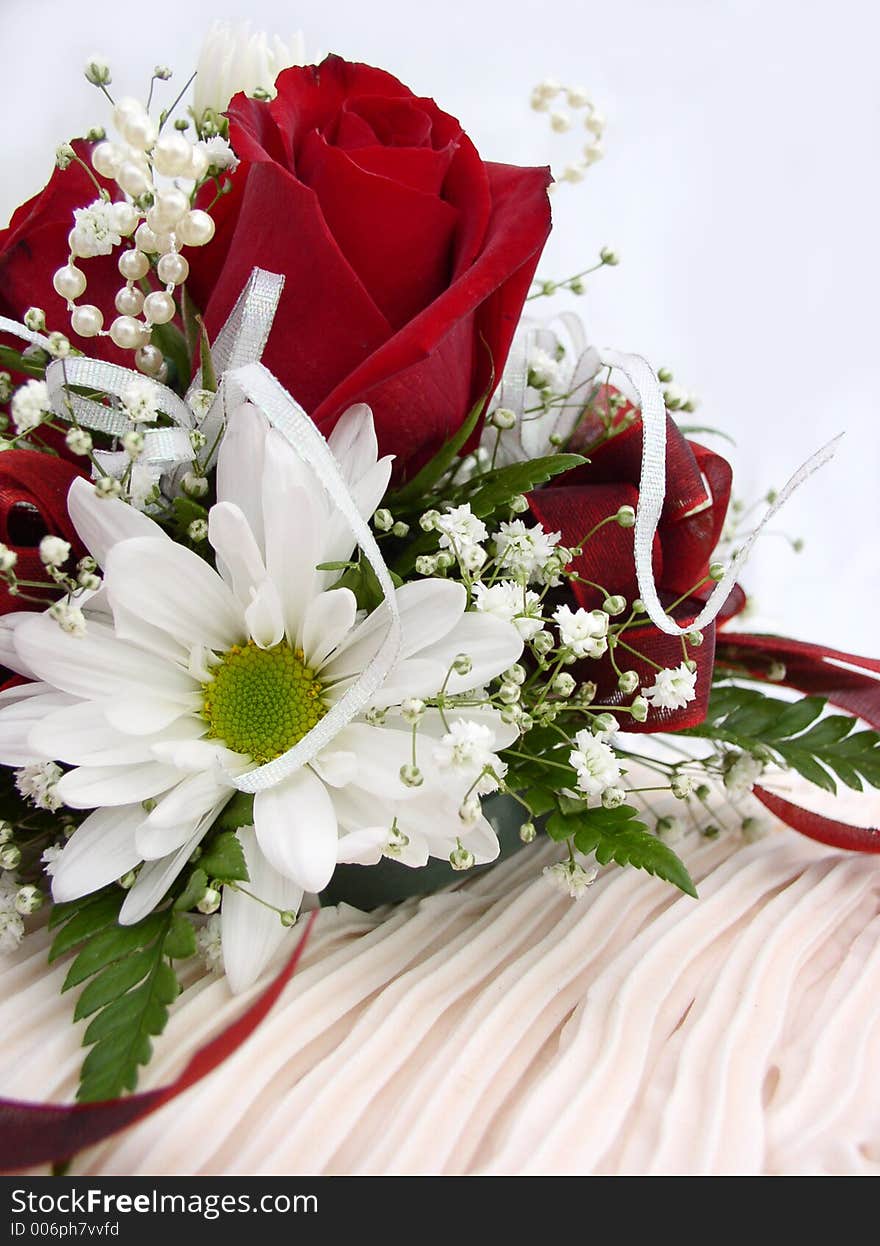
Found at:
<point>328,570</point>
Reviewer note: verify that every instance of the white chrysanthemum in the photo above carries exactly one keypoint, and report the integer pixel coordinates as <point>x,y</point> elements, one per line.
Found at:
<point>30,406</point>
<point>187,675</point>
<point>672,689</point>
<point>525,552</point>
<point>509,601</point>
<point>595,762</point>
<point>570,878</point>
<point>584,632</point>
<point>235,58</point>
<point>94,231</point>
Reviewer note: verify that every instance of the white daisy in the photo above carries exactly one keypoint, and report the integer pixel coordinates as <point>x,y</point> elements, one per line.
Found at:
<point>186,676</point>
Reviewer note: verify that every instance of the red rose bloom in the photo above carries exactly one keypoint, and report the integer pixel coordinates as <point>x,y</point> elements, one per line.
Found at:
<point>697,496</point>
<point>33,504</point>
<point>407,258</point>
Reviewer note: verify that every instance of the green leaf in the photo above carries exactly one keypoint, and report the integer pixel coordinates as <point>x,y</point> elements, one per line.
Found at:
<point>495,489</point>
<point>636,846</point>
<point>16,362</point>
<point>224,858</point>
<point>180,941</point>
<point>239,812</point>
<point>112,982</point>
<point>111,945</point>
<point>417,489</point>
<point>195,888</point>
<point>173,346</point>
<point>84,922</point>
<point>560,827</point>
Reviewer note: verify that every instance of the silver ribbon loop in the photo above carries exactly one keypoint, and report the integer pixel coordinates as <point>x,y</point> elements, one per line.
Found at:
<point>652,492</point>
<point>256,384</point>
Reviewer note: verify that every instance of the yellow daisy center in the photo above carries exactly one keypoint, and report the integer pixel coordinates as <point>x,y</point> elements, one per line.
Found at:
<point>262,701</point>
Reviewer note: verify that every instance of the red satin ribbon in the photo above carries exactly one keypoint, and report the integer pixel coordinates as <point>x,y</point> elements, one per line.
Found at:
<point>817,826</point>
<point>45,1133</point>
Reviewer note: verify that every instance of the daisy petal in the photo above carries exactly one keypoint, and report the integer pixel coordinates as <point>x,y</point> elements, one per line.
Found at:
<point>88,787</point>
<point>264,617</point>
<point>363,847</point>
<point>252,933</point>
<point>296,829</point>
<point>102,522</point>
<point>100,850</point>
<point>19,719</point>
<point>80,735</point>
<point>490,643</point>
<point>328,619</point>
<point>240,465</point>
<point>145,715</point>
<point>239,560</point>
<point>294,516</point>
<point>180,811</point>
<point>9,655</point>
<point>353,442</point>
<point>153,881</point>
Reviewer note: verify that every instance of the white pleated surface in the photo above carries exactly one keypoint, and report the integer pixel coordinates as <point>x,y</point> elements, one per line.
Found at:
<point>502,1028</point>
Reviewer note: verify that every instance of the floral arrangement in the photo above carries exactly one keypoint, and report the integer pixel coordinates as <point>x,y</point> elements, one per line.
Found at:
<point>320,555</point>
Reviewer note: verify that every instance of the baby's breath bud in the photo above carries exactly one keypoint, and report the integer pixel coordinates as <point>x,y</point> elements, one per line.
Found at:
<point>64,154</point>
<point>462,664</point>
<point>375,716</point>
<point>59,345</point>
<point>542,642</point>
<point>556,439</point>
<point>524,721</point>
<point>681,786</point>
<point>548,288</point>
<point>97,72</point>
<point>197,439</point>
<point>527,832</point>
<point>210,901</point>
<point>6,831</point>
<point>426,565</point>
<point>182,123</point>
<point>509,693</point>
<point>108,487</point>
<point>694,639</point>
<point>5,386</point>
<point>577,285</point>
<point>194,486</point>
<point>428,521</point>
<point>287,918</point>
<point>626,517</point>
<point>703,791</point>
<point>628,682</point>
<point>28,899</point>
<point>690,665</point>
<point>664,376</point>
<point>35,319</point>
<point>716,570</point>
<point>564,684</point>
<point>444,560</point>
<point>133,443</point>
<point>470,811</point>
<point>412,710</point>
<point>197,530</point>
<point>128,880</point>
<point>400,529</point>
<point>162,72</point>
<point>503,418</point>
<point>586,693</point>
<point>8,558</point>
<point>609,257</point>
<point>520,504</point>
<point>383,520</point>
<point>614,604</point>
<point>88,579</point>
<point>10,857</point>
<point>639,709</point>
<point>638,606</point>
<point>515,674</point>
<point>613,797</point>
<point>461,858</point>
<point>96,134</point>
<point>776,672</point>
<point>411,776</point>
<point>54,551</point>
<point>78,440</point>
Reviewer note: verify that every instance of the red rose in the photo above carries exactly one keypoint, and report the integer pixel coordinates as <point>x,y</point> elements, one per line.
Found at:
<point>407,258</point>
<point>33,504</point>
<point>697,496</point>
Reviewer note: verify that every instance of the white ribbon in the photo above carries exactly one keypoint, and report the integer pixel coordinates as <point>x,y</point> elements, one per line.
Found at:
<point>652,492</point>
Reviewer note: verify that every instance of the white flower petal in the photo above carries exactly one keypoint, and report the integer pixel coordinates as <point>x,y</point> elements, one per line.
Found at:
<point>328,619</point>
<point>153,881</point>
<point>380,753</point>
<point>414,677</point>
<point>98,852</point>
<point>89,787</point>
<point>188,801</point>
<point>142,714</point>
<point>264,617</point>
<point>171,587</point>
<point>18,720</point>
<point>353,442</point>
<point>9,655</point>
<point>505,734</point>
<point>80,735</point>
<point>363,847</point>
<point>239,559</point>
<point>296,829</point>
<point>252,933</point>
<point>490,643</point>
<point>131,627</point>
<point>240,465</point>
<point>294,515</point>
<point>335,767</point>
<point>97,662</point>
<point>102,522</point>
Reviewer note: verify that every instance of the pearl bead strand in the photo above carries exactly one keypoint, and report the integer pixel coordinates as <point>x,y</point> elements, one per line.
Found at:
<point>547,97</point>
<point>156,218</point>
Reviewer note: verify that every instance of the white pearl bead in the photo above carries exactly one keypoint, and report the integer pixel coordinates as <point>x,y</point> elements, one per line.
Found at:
<point>171,204</point>
<point>69,282</point>
<point>133,265</point>
<point>171,155</point>
<point>129,301</point>
<point>159,307</point>
<point>145,240</point>
<point>127,333</point>
<point>154,222</point>
<point>196,229</point>
<point>149,360</point>
<point>106,159</point>
<point>133,180</point>
<point>199,164</point>
<point>139,131</point>
<point>125,217</point>
<point>126,108</point>
<point>78,245</point>
<point>173,268</point>
<point>87,320</point>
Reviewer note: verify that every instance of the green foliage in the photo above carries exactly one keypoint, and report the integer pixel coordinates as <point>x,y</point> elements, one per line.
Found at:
<point>239,812</point>
<point>495,489</point>
<point>173,346</point>
<point>129,984</point>
<point>795,734</point>
<point>617,835</point>
<point>15,361</point>
<point>195,887</point>
<point>361,579</point>
<point>224,859</point>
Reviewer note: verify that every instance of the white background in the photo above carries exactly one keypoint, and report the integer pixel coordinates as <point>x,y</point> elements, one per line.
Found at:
<point>740,187</point>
